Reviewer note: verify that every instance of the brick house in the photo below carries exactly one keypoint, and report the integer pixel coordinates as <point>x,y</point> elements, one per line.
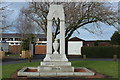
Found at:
<point>14,41</point>
<point>72,45</point>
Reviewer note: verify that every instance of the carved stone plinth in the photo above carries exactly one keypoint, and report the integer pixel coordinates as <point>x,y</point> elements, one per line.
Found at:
<point>56,63</point>
<point>55,69</point>
<point>56,66</point>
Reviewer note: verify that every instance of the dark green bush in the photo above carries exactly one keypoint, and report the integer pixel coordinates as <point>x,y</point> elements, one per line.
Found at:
<point>7,53</point>
<point>25,44</point>
<point>100,52</point>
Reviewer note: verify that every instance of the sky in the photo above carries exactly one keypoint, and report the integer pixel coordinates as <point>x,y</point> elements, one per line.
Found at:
<point>107,31</point>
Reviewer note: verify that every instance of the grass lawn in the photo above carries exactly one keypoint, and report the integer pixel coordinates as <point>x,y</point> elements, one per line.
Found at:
<point>17,55</point>
<point>106,67</point>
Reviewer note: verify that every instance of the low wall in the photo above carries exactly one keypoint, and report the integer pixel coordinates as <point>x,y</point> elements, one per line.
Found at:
<point>40,49</point>
<point>2,54</point>
<point>14,49</point>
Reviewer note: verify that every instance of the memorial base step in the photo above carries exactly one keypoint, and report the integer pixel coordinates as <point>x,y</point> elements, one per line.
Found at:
<point>55,63</point>
<point>56,69</point>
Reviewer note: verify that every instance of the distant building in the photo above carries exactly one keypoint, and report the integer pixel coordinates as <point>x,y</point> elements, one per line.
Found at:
<point>73,45</point>
<point>15,39</point>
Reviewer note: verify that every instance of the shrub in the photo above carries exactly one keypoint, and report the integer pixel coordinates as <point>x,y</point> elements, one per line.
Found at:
<point>115,39</point>
<point>7,53</point>
<point>100,52</point>
<point>25,44</point>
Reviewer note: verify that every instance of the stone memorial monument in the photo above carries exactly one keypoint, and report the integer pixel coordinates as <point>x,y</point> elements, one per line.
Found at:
<point>55,63</point>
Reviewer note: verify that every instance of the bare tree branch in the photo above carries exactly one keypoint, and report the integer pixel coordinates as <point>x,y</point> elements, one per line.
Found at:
<point>76,14</point>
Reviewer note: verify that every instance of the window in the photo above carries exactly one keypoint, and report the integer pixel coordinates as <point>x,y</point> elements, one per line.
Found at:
<point>12,43</point>
<point>17,39</point>
<point>5,39</point>
<point>39,39</point>
<point>16,43</point>
<point>42,39</point>
<point>41,43</point>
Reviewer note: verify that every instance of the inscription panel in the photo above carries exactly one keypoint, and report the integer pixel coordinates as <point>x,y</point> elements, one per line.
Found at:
<point>56,68</point>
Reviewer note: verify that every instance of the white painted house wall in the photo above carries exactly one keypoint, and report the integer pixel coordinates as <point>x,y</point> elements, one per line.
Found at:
<point>74,47</point>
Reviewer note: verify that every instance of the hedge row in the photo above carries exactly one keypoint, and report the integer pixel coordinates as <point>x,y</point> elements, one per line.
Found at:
<point>100,52</point>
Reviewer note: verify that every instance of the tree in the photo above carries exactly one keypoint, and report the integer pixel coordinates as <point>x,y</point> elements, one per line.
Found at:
<point>76,15</point>
<point>4,13</point>
<point>118,27</point>
<point>25,27</point>
<point>115,39</point>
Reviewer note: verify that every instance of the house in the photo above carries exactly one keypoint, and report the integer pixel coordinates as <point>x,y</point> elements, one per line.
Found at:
<point>15,38</point>
<point>73,45</point>
<point>14,41</point>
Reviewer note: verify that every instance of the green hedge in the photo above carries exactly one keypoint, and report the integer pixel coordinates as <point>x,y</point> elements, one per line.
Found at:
<point>100,52</point>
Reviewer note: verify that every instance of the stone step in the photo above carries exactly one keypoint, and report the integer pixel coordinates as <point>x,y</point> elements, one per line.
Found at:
<point>55,69</point>
<point>56,63</point>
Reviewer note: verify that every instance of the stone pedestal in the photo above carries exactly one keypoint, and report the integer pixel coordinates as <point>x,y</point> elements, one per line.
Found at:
<point>56,63</point>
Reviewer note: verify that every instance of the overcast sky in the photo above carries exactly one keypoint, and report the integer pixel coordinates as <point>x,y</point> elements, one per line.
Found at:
<point>107,31</point>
